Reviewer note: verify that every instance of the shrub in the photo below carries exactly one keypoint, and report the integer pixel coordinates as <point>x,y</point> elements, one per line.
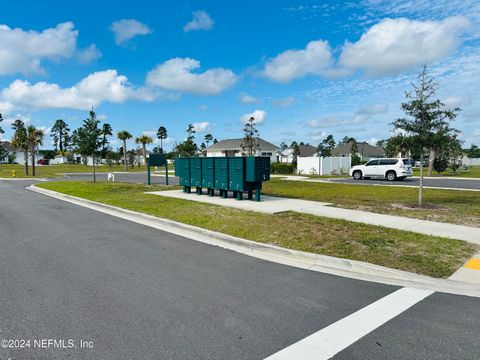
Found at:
<point>282,168</point>
<point>440,164</point>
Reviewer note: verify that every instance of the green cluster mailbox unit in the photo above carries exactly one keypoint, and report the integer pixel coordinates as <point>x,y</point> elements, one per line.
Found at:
<point>182,171</point>
<point>237,174</point>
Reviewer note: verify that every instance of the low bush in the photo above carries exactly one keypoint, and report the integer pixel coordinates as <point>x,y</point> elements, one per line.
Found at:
<point>282,168</point>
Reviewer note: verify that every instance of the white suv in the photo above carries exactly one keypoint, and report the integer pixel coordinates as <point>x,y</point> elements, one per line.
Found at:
<point>391,169</point>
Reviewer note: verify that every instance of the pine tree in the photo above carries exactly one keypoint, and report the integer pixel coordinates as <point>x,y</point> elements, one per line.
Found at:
<point>426,118</point>
<point>250,143</point>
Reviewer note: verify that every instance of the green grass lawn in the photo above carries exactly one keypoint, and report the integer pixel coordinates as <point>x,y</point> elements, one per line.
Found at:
<point>472,172</point>
<point>433,256</point>
<point>51,171</point>
<point>451,206</point>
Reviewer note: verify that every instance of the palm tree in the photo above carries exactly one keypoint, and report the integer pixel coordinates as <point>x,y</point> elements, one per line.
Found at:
<point>162,135</point>
<point>35,138</point>
<point>144,140</point>
<point>20,140</point>
<point>124,136</point>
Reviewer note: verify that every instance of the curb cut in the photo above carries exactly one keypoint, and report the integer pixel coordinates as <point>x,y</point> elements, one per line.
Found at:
<point>315,262</point>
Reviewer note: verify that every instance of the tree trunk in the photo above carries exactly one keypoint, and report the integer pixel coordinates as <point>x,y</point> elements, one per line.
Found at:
<point>145,155</point>
<point>94,173</point>
<point>125,154</point>
<point>431,158</point>
<point>420,188</point>
<point>25,155</point>
<point>33,162</point>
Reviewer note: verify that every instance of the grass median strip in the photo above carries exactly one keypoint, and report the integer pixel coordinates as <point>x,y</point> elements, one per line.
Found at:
<point>433,256</point>
<point>450,206</point>
<point>470,172</point>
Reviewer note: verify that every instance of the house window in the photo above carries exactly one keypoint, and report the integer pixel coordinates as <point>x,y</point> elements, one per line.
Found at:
<point>266,154</point>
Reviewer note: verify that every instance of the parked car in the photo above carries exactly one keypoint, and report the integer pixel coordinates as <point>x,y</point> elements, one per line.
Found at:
<point>390,169</point>
<point>417,163</point>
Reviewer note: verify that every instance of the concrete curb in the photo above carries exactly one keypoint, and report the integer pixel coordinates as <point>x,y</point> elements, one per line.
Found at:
<point>315,262</point>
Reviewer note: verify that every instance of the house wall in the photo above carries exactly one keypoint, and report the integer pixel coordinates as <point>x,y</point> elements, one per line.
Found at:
<point>20,159</point>
<point>58,160</point>
<point>221,153</point>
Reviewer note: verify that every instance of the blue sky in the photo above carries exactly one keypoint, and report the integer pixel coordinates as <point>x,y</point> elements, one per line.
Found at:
<point>303,69</point>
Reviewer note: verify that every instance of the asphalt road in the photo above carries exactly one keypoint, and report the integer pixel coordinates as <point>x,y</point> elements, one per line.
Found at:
<point>68,272</point>
<point>440,183</point>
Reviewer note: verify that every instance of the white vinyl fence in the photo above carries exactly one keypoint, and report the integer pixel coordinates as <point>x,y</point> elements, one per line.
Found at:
<point>471,162</point>
<point>323,165</point>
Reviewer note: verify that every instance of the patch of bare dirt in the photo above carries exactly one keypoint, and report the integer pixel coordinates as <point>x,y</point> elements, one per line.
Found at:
<point>420,208</point>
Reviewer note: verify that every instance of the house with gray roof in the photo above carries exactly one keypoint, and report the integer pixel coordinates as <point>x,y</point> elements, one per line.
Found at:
<point>233,147</point>
<point>365,150</point>
<point>307,150</point>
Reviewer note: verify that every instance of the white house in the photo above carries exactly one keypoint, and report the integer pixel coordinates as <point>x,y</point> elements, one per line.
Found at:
<point>16,155</point>
<point>233,147</point>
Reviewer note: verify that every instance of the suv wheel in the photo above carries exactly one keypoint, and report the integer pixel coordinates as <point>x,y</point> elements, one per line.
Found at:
<point>391,176</point>
<point>357,175</point>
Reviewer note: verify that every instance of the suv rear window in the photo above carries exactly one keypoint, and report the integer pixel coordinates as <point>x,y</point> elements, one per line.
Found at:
<point>388,161</point>
<point>406,162</point>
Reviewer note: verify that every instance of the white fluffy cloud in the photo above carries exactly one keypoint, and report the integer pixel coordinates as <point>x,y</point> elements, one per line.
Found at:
<point>315,59</point>
<point>389,47</point>
<point>394,45</point>
<point>201,21</point>
<point>126,29</point>
<point>94,89</point>
<point>247,98</point>
<point>24,51</point>
<point>89,54</point>
<point>259,116</point>
<point>176,74</point>
<point>201,126</point>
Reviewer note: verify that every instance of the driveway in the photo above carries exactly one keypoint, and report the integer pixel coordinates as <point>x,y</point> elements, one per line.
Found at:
<point>133,292</point>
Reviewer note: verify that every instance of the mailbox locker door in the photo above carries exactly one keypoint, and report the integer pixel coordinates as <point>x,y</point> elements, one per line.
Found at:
<point>221,173</point>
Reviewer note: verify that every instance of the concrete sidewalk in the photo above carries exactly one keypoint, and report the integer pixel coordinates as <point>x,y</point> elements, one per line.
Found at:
<point>273,205</point>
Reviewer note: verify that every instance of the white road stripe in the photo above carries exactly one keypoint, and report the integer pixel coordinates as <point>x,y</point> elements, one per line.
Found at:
<point>329,341</point>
